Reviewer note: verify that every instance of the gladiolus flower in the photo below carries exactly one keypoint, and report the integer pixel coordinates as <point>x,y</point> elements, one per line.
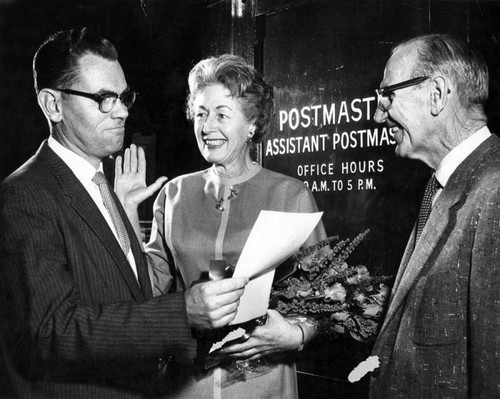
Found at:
<point>338,328</point>
<point>304,293</point>
<point>383,294</point>
<point>371,309</point>
<point>359,297</point>
<point>336,293</point>
<point>363,273</point>
<point>340,316</point>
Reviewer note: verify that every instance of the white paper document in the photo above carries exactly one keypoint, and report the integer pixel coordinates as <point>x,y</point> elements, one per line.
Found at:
<point>273,239</point>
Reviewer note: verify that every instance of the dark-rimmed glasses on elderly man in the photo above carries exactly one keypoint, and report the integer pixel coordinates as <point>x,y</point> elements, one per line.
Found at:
<point>385,92</point>
<point>106,101</point>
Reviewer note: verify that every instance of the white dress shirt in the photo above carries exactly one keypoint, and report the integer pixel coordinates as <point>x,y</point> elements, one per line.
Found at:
<point>84,172</point>
<point>457,155</point>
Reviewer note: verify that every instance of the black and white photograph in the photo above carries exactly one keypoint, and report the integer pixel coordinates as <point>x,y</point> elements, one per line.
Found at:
<point>230,199</point>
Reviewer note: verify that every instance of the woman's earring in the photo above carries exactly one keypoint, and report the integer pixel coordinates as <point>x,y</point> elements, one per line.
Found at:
<point>249,138</point>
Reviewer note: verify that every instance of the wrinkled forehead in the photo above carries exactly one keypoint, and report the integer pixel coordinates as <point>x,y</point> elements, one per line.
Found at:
<point>400,66</point>
<point>97,73</point>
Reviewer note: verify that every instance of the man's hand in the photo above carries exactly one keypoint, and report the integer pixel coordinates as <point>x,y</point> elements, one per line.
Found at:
<point>130,180</point>
<point>213,304</point>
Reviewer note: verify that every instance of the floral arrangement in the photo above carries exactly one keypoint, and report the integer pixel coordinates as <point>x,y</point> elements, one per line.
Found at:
<point>339,297</point>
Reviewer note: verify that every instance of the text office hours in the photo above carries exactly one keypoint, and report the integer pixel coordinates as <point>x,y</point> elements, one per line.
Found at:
<point>324,59</point>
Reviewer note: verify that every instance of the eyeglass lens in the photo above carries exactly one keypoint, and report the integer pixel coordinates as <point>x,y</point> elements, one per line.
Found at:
<point>384,94</point>
<point>108,102</point>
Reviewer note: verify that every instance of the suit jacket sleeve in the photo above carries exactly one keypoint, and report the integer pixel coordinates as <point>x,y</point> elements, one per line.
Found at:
<point>483,301</point>
<point>54,316</point>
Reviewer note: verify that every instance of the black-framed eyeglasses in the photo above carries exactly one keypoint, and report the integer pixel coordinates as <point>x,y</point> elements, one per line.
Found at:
<point>106,101</point>
<point>385,92</point>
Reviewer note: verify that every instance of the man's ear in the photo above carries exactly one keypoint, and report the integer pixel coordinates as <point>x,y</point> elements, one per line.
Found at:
<point>50,103</point>
<point>439,94</point>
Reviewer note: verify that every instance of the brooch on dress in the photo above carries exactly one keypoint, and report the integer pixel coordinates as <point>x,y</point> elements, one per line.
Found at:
<point>233,193</point>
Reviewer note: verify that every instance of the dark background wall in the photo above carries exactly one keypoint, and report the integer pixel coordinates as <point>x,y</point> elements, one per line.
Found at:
<point>158,42</point>
<point>313,51</point>
<point>322,52</point>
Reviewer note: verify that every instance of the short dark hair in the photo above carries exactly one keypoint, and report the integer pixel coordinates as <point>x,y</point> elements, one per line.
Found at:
<point>244,82</point>
<point>55,64</point>
<point>454,58</point>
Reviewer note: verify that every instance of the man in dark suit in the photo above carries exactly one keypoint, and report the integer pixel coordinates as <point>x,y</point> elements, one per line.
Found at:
<point>440,337</point>
<point>77,316</point>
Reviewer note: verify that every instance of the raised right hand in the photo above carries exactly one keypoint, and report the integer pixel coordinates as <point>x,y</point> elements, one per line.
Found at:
<point>213,304</point>
<point>130,178</point>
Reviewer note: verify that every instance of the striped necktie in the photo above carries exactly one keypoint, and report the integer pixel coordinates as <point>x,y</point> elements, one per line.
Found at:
<point>112,209</point>
<point>425,208</point>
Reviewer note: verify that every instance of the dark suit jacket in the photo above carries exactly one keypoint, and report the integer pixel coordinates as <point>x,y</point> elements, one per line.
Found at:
<point>74,320</point>
<point>441,335</point>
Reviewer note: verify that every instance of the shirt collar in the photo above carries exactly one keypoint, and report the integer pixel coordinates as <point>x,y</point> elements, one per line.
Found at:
<point>457,155</point>
<point>82,169</point>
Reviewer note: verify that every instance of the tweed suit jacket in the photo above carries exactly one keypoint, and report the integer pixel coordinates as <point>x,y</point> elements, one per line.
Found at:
<point>74,321</point>
<point>440,337</point>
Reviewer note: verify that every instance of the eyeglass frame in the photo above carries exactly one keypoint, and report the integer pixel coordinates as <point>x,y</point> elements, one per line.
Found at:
<point>99,98</point>
<point>386,91</point>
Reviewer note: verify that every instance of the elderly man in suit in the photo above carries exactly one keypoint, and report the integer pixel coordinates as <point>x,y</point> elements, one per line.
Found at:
<point>77,315</point>
<point>440,337</point>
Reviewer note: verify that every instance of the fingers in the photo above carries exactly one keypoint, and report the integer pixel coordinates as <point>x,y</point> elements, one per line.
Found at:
<point>227,285</point>
<point>251,349</point>
<point>251,354</point>
<point>134,160</point>
<point>240,347</point>
<point>276,335</point>
<point>126,161</point>
<point>219,297</point>
<point>213,304</point>
<point>141,159</point>
<point>229,297</point>
<point>118,165</point>
<point>133,157</point>
<point>224,315</point>
<point>156,185</point>
<point>274,316</point>
<point>257,356</point>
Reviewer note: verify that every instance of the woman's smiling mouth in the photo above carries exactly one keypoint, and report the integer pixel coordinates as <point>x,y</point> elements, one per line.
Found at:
<point>214,143</point>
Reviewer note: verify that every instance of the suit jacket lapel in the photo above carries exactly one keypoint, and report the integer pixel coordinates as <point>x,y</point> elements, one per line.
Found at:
<point>443,215</point>
<point>416,257</point>
<point>83,204</point>
<point>410,246</point>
